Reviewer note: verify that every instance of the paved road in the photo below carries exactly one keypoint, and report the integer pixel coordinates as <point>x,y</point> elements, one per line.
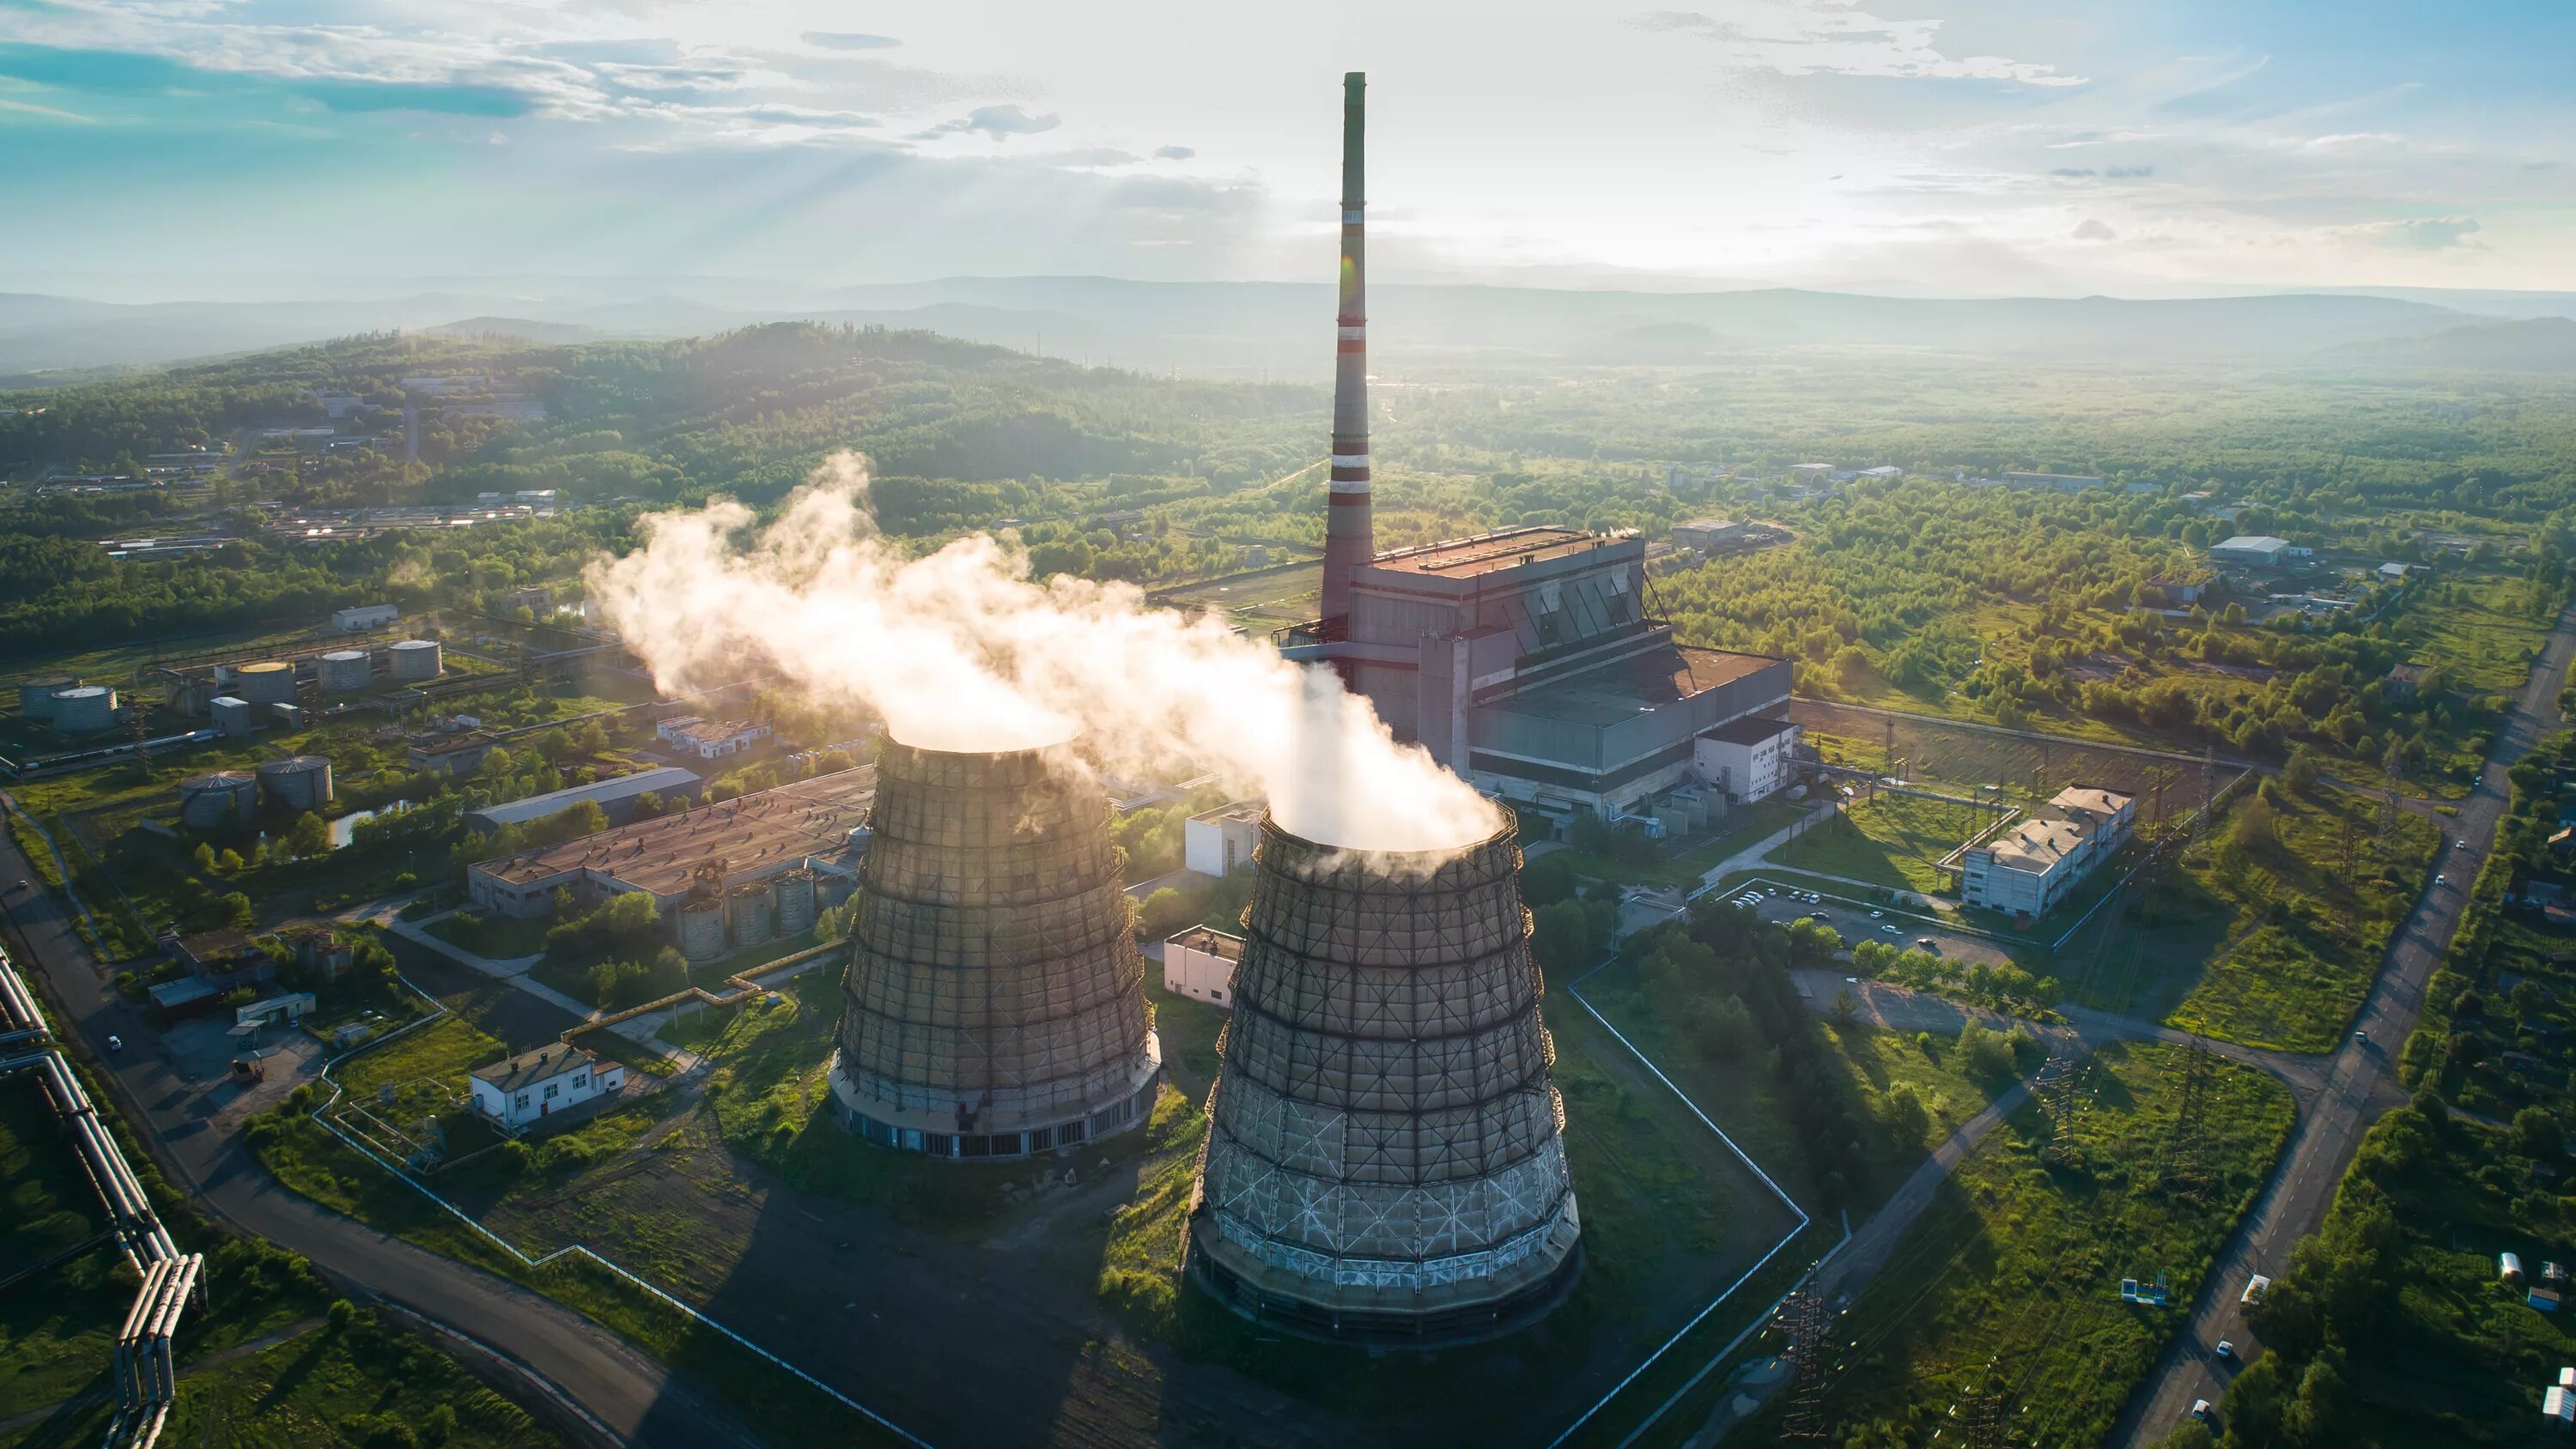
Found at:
<point>2359,1083</point>
<point>567,1356</point>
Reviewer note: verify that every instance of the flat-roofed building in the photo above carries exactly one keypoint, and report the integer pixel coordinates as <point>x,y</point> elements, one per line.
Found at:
<point>1219,842</point>
<point>2030,868</point>
<point>1709,534</point>
<point>1526,662</point>
<point>616,797</point>
<point>2259,550</point>
<point>364,616</point>
<point>450,755</point>
<point>1748,758</point>
<point>1199,964</point>
<point>751,838</point>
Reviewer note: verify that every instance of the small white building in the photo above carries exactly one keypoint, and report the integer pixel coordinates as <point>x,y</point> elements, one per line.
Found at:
<point>2031,867</point>
<point>520,1090</point>
<point>1220,842</point>
<point>1747,758</point>
<point>1199,964</point>
<point>2558,1408</point>
<point>714,739</point>
<point>2394,573</point>
<point>669,729</point>
<point>364,616</point>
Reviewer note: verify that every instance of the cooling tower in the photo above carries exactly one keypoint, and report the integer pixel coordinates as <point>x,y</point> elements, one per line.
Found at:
<point>996,999</point>
<point>1385,1159</point>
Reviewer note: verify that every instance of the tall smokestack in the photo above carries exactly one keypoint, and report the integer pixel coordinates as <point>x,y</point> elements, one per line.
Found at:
<point>1350,537</point>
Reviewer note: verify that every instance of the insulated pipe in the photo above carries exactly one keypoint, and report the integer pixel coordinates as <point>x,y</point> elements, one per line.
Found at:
<point>1350,539</point>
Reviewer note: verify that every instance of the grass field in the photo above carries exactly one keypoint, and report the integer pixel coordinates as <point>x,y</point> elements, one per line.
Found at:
<point>2007,1288</point>
<point>363,1383</point>
<point>1690,859</point>
<point>2484,631</point>
<point>1957,758</point>
<point>1895,840</point>
<point>2277,952</point>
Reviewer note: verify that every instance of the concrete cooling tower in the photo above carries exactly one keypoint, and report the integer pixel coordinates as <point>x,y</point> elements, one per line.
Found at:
<point>1385,1159</point>
<point>995,997</point>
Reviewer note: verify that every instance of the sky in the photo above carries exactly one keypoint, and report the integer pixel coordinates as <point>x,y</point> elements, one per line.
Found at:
<point>160,149</point>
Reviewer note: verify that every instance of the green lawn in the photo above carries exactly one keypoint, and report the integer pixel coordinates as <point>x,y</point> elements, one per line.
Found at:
<point>501,938</point>
<point>1685,865</point>
<point>2007,1288</point>
<point>2279,949</point>
<point>1895,840</point>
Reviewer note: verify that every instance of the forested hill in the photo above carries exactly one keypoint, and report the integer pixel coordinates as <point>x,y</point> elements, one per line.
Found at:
<point>959,433</point>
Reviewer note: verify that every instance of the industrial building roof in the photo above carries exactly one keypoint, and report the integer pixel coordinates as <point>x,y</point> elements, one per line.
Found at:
<point>1213,942</point>
<point>1486,553</point>
<point>2252,543</point>
<point>751,834</point>
<point>1753,729</point>
<point>528,1068</point>
<point>2056,830</point>
<point>1619,689</point>
<point>667,779</point>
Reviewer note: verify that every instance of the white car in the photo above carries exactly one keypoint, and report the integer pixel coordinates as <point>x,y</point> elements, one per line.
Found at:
<point>1891,930</point>
<point>2200,1410</point>
<point>2226,1348</point>
<point>2441,880</point>
<point>1874,915</point>
<point>116,1043</point>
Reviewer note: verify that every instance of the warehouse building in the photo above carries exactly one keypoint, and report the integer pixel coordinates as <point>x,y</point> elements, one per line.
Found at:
<point>2258,550</point>
<point>364,617</point>
<point>616,797</point>
<point>748,839</point>
<point>2031,867</point>
<point>1219,842</point>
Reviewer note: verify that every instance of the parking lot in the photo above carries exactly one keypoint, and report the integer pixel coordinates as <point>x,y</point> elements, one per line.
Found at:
<point>1858,921</point>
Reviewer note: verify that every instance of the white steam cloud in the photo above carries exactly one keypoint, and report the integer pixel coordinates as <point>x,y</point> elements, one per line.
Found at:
<point>962,651</point>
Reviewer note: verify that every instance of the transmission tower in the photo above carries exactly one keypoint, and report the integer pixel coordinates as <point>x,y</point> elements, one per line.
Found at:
<point>1807,1319</point>
<point>2184,1163</point>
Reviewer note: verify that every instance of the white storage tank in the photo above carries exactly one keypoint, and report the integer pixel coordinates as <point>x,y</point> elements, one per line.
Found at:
<point>344,671</point>
<point>36,696</point>
<point>796,902</point>
<point>302,782</point>
<point>750,912</point>
<point>415,659</point>
<point>702,929</point>
<point>268,682</point>
<point>226,797</point>
<point>85,709</point>
<point>232,716</point>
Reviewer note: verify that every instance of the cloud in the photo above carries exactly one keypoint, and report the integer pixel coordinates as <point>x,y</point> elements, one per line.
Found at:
<point>2095,230</point>
<point>999,122</point>
<point>1823,39</point>
<point>2072,171</point>
<point>849,40</point>
<point>2414,234</point>
<point>2113,173</point>
<point>1174,153</point>
<point>2123,173</point>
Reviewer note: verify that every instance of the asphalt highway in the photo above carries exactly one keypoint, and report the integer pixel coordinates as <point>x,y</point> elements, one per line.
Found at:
<point>2360,1081</point>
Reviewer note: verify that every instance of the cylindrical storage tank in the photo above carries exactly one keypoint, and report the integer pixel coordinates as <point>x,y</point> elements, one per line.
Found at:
<point>748,913</point>
<point>226,797</point>
<point>344,671</point>
<point>300,783</point>
<point>796,902</point>
<point>1385,1157</point>
<point>36,696</point>
<point>995,997</point>
<point>232,716</point>
<point>702,928</point>
<point>85,709</point>
<point>415,659</point>
<point>269,682</point>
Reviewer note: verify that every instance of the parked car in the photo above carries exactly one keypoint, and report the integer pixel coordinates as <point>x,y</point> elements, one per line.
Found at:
<point>2200,1410</point>
<point>116,1043</point>
<point>2226,1348</point>
<point>1874,915</point>
<point>1927,943</point>
<point>1890,930</point>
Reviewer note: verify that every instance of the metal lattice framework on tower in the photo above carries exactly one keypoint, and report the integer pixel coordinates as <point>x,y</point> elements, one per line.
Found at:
<point>995,999</point>
<point>1386,1157</point>
<point>1806,1317</point>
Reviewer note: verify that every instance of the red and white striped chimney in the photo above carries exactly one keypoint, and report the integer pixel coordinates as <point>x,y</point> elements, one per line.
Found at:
<point>1350,536</point>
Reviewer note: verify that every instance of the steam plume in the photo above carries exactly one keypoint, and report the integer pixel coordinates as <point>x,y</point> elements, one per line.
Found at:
<point>961,651</point>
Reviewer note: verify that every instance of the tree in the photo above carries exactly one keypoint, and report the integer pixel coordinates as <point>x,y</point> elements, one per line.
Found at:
<point>2301,773</point>
<point>1561,935</point>
<point>2536,1133</point>
<point>204,856</point>
<point>1907,1119</point>
<point>308,838</point>
<point>233,909</point>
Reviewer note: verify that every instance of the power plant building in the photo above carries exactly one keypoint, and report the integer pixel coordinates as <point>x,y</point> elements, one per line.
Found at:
<point>1385,1158</point>
<point>364,617</point>
<point>1529,662</point>
<point>617,798</point>
<point>995,1002</point>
